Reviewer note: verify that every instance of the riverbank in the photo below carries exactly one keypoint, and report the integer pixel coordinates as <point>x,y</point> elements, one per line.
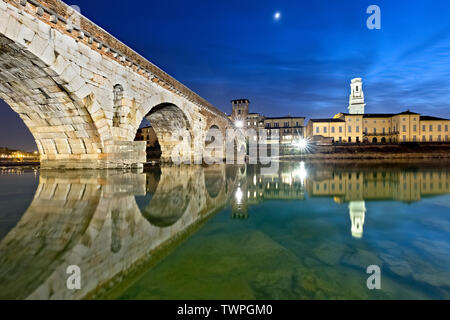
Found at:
<point>371,152</point>
<point>19,164</point>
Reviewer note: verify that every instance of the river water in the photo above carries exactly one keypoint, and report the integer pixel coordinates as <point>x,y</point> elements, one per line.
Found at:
<point>305,231</point>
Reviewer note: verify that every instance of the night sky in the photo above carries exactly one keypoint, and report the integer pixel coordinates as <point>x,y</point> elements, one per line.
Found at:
<point>300,64</point>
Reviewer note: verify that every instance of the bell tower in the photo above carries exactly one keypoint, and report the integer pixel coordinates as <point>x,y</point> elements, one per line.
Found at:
<point>356,103</point>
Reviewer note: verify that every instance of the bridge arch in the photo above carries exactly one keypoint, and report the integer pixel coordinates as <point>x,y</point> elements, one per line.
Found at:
<point>172,122</point>
<point>58,116</point>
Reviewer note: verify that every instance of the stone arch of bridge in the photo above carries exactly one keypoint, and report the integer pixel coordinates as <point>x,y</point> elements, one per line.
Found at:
<point>58,116</point>
<point>172,123</point>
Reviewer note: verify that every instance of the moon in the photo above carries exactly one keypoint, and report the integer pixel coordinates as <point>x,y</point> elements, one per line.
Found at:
<point>277,16</point>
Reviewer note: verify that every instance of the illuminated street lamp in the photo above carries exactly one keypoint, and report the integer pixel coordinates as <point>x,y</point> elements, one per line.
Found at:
<point>302,144</point>
<point>239,124</point>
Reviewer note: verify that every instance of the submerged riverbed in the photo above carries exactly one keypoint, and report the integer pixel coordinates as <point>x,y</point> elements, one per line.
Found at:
<point>303,231</point>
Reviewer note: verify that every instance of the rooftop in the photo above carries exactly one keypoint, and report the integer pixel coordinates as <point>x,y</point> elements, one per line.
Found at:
<point>327,120</point>
<point>280,118</point>
<point>240,101</point>
<point>431,118</point>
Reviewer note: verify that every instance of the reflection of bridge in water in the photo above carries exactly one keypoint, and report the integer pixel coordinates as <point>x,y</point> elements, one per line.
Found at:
<point>354,185</point>
<point>115,225</point>
<point>92,220</point>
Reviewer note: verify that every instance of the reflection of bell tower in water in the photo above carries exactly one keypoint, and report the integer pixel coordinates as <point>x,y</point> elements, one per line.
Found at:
<point>357,214</point>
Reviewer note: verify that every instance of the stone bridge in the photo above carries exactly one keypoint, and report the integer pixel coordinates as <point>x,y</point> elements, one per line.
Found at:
<point>83,94</point>
<point>110,224</point>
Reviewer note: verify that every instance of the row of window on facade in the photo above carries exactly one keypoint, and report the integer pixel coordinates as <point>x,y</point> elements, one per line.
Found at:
<point>439,129</point>
<point>425,186</point>
<point>277,125</point>
<point>404,139</point>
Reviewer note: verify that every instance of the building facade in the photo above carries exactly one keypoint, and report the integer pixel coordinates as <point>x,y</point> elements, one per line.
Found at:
<point>282,130</point>
<point>153,149</point>
<point>358,127</point>
<point>147,134</point>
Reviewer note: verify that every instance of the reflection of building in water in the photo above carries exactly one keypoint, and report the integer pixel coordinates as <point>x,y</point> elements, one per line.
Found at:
<point>352,185</point>
<point>288,183</point>
<point>239,204</point>
<point>357,214</point>
<point>383,184</point>
<point>239,200</point>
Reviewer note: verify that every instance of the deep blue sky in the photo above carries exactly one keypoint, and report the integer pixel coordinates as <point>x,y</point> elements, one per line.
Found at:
<point>300,65</point>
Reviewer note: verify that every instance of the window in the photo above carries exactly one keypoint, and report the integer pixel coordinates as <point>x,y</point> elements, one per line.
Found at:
<point>414,128</point>
<point>404,138</point>
<point>431,138</point>
<point>349,139</point>
<point>384,130</point>
<point>424,128</point>
<point>446,127</point>
<point>414,139</point>
<point>404,128</point>
<point>349,129</point>
<point>332,129</point>
<point>439,128</point>
<point>374,130</point>
<point>431,127</point>
<point>357,128</point>
<point>317,130</point>
<point>324,129</point>
<point>340,129</point>
<point>439,137</point>
<point>365,130</point>
<point>276,124</point>
<point>424,139</point>
<point>286,124</point>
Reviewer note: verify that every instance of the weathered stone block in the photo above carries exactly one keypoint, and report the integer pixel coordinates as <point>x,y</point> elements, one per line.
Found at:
<point>48,56</point>
<point>13,28</point>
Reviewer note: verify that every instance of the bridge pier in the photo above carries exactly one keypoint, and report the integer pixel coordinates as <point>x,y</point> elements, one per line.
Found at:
<point>118,154</point>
